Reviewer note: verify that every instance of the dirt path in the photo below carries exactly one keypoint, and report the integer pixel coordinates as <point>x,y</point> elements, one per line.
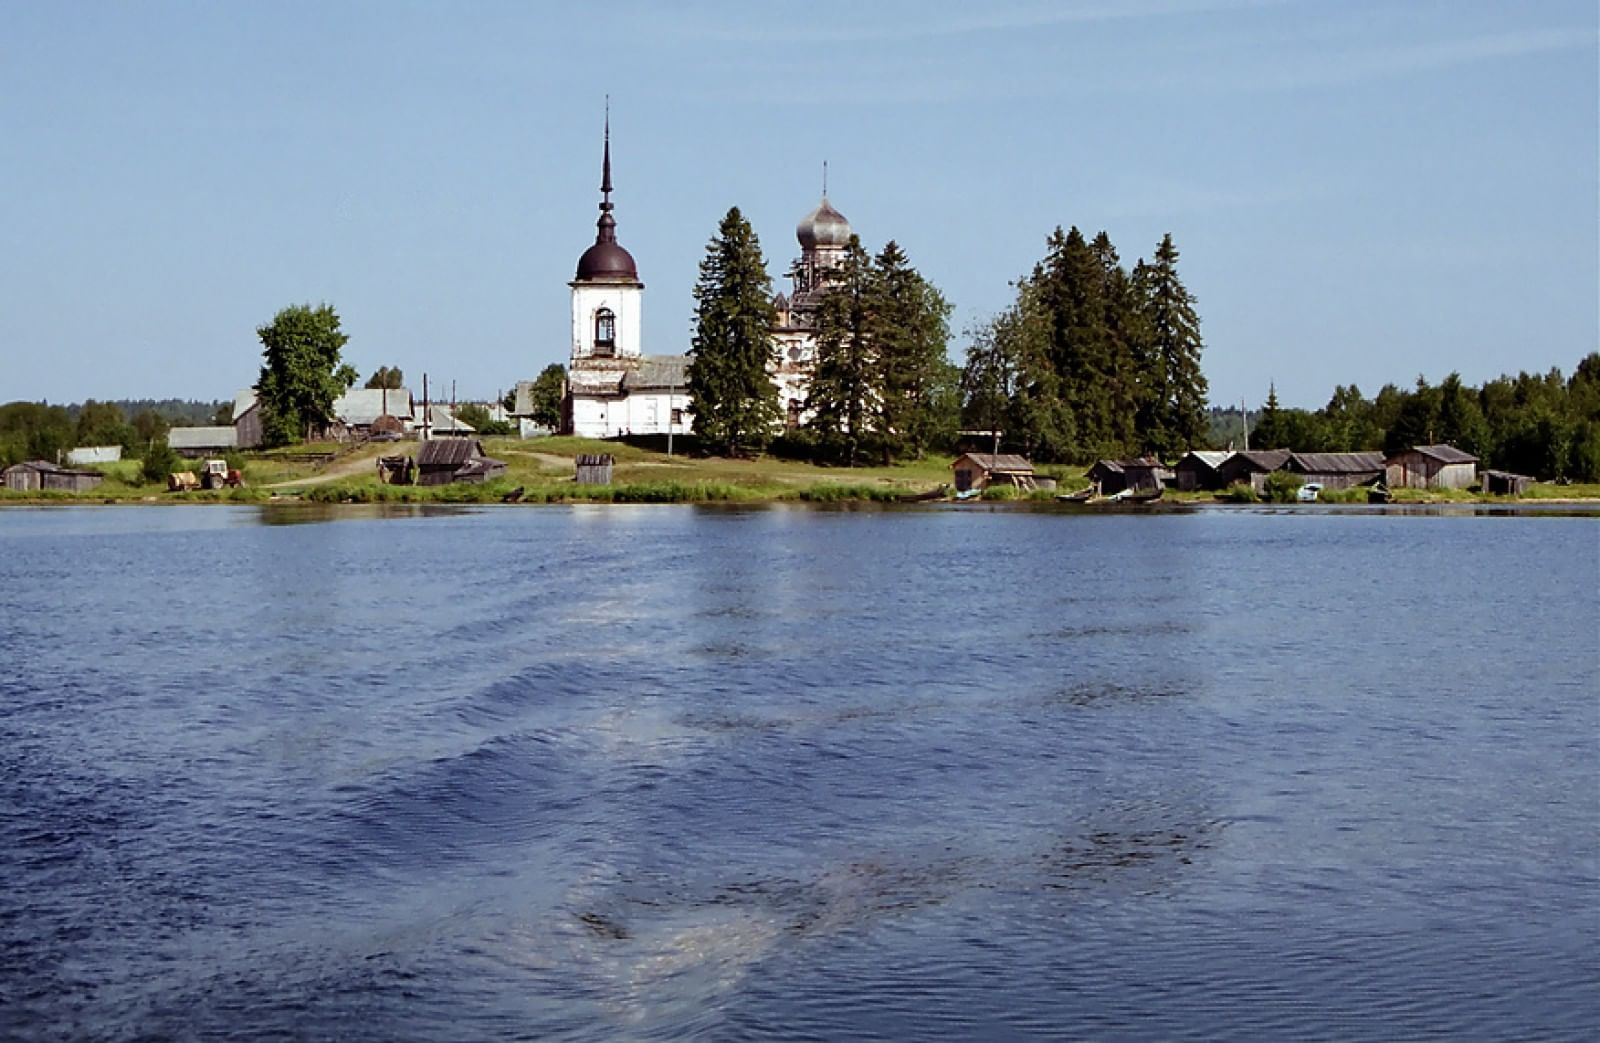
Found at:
<point>356,463</point>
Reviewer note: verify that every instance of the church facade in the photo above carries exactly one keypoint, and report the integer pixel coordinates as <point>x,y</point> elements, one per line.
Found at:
<point>614,389</point>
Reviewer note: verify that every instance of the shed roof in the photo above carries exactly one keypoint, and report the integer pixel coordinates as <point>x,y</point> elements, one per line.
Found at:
<point>34,465</point>
<point>243,402</point>
<point>181,438</point>
<point>1260,459</point>
<point>1336,463</point>
<point>1509,474</point>
<point>1005,462</point>
<point>1445,454</point>
<point>440,421</point>
<point>448,452</point>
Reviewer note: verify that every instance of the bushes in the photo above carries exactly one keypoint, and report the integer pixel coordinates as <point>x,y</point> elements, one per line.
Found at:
<point>159,462</point>
<point>1282,487</point>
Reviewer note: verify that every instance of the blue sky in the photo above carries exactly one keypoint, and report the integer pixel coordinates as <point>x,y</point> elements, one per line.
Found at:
<point>1361,192</point>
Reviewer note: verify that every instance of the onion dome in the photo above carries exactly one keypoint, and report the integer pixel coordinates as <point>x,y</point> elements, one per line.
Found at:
<point>823,227</point>
<point>606,260</point>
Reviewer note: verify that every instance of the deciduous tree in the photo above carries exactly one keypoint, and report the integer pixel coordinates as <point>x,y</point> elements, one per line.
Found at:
<point>301,373</point>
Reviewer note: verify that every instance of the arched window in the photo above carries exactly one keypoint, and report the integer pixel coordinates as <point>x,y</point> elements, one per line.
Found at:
<point>605,332</point>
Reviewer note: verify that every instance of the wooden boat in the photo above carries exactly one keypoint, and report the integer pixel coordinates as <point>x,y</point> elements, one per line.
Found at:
<point>513,496</point>
<point>932,494</point>
<point>1379,493</point>
<point>1081,496</point>
<point>1150,496</point>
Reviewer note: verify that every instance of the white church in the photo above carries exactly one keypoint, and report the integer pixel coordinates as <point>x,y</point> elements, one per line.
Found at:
<point>614,389</point>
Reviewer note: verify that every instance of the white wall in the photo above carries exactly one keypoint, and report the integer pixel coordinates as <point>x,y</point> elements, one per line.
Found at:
<point>641,413</point>
<point>626,302</point>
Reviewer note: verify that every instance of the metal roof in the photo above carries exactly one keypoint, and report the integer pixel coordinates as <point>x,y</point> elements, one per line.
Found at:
<point>1212,458</point>
<point>243,402</point>
<point>181,438</point>
<point>359,407</point>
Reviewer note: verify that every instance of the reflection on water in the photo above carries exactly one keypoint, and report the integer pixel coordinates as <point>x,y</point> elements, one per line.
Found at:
<point>730,773</point>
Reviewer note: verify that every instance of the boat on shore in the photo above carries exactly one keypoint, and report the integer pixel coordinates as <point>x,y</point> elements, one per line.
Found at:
<point>924,497</point>
<point>1081,496</point>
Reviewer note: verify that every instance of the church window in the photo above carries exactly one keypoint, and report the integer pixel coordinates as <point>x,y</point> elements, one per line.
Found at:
<point>605,332</point>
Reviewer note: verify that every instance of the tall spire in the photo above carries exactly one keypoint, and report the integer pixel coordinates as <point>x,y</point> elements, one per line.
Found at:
<point>605,176</point>
<point>607,225</point>
<point>824,179</point>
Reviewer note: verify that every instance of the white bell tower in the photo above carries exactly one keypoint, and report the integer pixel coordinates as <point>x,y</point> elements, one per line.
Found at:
<point>607,296</point>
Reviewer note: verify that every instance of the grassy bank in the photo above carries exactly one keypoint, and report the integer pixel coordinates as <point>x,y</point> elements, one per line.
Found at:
<point>541,471</point>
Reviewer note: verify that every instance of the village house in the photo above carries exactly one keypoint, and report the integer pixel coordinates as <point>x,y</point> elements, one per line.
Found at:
<point>1337,470</point>
<point>44,476</point>
<point>363,412</point>
<point>1251,467</point>
<point>1198,470</point>
<point>247,419</point>
<point>981,470</point>
<point>1431,467</point>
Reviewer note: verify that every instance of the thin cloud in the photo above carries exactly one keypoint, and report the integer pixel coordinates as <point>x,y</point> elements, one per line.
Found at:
<point>1376,63</point>
<point>916,23</point>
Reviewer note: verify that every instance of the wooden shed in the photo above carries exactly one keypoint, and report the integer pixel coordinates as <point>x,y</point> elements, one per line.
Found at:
<point>441,461</point>
<point>1337,470</point>
<point>1431,467</point>
<point>1198,470</point>
<point>1251,467</point>
<point>981,470</point>
<point>1144,474</point>
<point>1504,483</point>
<point>594,468</point>
<point>42,475</point>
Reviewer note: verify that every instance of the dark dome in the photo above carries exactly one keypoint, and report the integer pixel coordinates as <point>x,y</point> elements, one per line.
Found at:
<point>824,226</point>
<point>607,262</point>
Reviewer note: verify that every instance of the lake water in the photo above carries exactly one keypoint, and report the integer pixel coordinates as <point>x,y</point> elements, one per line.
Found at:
<point>781,773</point>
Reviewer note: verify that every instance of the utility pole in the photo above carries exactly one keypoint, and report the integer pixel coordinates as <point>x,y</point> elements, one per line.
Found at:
<point>1244,412</point>
<point>672,390</point>
<point>427,417</point>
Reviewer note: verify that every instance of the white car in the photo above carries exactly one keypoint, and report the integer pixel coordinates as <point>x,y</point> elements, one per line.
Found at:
<point>1309,492</point>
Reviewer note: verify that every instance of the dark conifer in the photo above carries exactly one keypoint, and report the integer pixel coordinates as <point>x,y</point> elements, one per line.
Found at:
<point>909,322</point>
<point>1179,383</point>
<point>734,401</point>
<point>846,388</point>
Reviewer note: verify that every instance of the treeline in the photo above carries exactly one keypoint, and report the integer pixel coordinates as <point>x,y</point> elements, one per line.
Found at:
<point>40,431</point>
<point>1092,359</point>
<point>1543,425</point>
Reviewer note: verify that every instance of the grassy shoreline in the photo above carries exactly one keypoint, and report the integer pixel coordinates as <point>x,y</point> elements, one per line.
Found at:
<point>541,471</point>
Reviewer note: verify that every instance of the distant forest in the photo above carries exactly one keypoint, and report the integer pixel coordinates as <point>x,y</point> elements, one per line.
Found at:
<point>1544,425</point>
<point>40,431</point>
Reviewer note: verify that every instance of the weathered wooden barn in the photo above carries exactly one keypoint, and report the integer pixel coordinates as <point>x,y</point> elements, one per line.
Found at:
<point>981,470</point>
<point>1337,470</point>
<point>1505,483</point>
<point>1431,467</point>
<point>1199,470</point>
<point>1143,474</point>
<point>441,461</point>
<point>42,476</point>
<point>1251,467</point>
<point>247,419</point>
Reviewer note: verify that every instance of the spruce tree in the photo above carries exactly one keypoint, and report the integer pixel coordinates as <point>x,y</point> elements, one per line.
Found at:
<point>909,326</point>
<point>846,387</point>
<point>1271,430</point>
<point>1179,383</point>
<point>734,401</point>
